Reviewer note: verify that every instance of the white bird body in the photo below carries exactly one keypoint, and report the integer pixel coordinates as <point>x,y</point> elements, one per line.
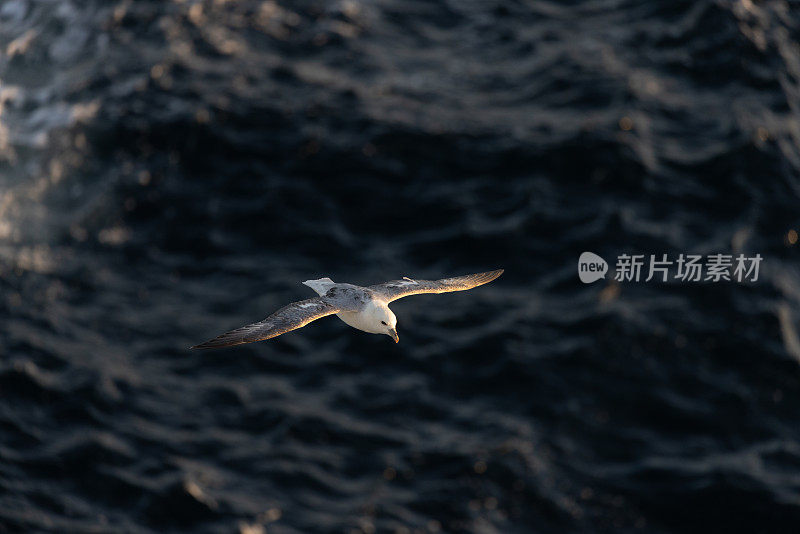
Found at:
<point>363,308</point>
<point>367,318</point>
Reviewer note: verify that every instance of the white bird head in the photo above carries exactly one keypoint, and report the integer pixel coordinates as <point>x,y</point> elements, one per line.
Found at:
<point>382,321</point>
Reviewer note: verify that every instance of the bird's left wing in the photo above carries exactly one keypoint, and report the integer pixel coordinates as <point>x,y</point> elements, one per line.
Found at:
<point>290,317</point>
<point>396,289</point>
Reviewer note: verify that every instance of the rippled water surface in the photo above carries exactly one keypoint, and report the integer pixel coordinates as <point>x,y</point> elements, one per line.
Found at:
<point>173,169</point>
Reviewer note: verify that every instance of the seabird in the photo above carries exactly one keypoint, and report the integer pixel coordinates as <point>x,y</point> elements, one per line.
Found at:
<point>363,308</point>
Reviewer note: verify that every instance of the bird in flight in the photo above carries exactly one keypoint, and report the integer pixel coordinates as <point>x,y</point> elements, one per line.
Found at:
<point>364,308</point>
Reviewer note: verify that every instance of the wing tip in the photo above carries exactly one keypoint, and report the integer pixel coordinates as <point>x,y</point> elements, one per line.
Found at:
<point>492,275</point>
<point>215,343</point>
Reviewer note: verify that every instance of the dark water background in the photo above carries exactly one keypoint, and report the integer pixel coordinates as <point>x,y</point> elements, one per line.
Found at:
<point>173,169</point>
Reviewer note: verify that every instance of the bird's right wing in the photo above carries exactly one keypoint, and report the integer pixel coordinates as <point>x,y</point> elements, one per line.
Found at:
<point>290,317</point>
<point>396,289</point>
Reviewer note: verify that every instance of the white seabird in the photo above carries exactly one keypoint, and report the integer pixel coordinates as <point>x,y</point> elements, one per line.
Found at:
<point>363,308</point>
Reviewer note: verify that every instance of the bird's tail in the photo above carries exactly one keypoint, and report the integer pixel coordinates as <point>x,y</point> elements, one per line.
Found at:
<point>321,285</point>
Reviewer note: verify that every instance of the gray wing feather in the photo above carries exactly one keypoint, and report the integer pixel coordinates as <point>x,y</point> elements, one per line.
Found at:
<point>396,289</point>
<point>290,317</point>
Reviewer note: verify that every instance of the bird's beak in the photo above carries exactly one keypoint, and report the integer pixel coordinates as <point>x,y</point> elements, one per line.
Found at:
<point>393,333</point>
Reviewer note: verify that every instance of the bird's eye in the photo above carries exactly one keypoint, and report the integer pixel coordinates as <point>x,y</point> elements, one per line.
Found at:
<point>383,322</point>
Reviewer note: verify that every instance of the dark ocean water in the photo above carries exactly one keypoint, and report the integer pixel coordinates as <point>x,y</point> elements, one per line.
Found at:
<point>172,170</point>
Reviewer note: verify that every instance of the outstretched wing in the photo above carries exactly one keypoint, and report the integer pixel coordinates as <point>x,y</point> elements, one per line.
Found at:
<point>290,317</point>
<point>396,289</point>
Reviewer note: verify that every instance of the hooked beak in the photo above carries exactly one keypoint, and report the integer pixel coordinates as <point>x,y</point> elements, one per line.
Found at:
<point>393,333</point>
